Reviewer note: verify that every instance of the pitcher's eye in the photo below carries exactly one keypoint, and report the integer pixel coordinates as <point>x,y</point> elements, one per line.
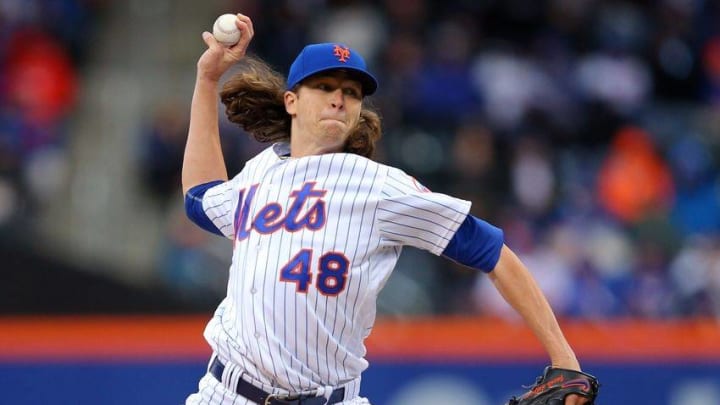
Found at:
<point>352,92</point>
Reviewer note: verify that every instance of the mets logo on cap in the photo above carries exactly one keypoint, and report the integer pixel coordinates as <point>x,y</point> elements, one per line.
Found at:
<point>316,58</point>
<point>341,52</point>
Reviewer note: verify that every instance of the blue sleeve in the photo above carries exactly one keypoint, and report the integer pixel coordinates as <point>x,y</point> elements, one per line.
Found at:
<point>476,244</point>
<point>194,209</point>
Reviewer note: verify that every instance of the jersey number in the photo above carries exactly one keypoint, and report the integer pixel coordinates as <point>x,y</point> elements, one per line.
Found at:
<point>331,277</point>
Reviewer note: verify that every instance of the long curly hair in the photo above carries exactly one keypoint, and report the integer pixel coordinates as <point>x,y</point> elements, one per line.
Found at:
<point>254,100</point>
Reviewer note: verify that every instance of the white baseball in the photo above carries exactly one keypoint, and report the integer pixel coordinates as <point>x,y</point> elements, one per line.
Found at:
<point>225,31</point>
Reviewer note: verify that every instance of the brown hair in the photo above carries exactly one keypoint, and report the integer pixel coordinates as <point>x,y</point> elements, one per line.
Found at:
<point>254,99</point>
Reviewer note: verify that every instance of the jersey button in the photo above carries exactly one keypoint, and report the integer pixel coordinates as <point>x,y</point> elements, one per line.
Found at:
<point>257,335</point>
<point>253,290</point>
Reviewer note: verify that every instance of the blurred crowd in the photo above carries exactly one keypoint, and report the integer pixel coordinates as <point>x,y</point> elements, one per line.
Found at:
<point>588,130</point>
<point>42,47</point>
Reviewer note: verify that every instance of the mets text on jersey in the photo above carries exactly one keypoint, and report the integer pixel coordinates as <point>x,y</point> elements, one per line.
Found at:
<point>270,218</point>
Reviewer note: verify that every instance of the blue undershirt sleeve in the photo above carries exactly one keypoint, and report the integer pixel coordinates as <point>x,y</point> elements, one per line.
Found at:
<point>476,244</point>
<point>194,208</point>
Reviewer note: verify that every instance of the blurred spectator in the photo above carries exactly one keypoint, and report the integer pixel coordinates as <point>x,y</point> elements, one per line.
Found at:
<point>161,151</point>
<point>476,173</point>
<point>588,251</point>
<point>533,177</point>
<point>193,261</point>
<point>39,93</point>
<point>356,24</point>
<point>442,93</point>
<point>510,85</point>
<point>592,298</point>
<point>41,80</point>
<point>407,16</point>
<point>608,249</point>
<point>401,62</point>
<point>634,179</point>
<point>696,273</point>
<point>620,81</point>
<point>650,293</point>
<point>697,200</point>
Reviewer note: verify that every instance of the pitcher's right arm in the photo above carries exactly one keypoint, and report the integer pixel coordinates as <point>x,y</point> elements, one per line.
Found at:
<point>203,161</point>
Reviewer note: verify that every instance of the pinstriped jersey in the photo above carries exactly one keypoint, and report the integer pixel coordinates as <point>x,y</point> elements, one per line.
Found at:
<point>314,241</point>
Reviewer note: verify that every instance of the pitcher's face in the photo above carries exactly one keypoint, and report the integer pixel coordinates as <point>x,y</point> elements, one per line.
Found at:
<point>325,109</point>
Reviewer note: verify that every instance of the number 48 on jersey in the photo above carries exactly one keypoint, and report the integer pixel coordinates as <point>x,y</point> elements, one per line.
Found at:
<point>332,269</point>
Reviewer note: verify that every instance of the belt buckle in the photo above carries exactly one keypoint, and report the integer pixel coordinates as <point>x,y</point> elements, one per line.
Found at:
<point>269,398</point>
<point>281,397</point>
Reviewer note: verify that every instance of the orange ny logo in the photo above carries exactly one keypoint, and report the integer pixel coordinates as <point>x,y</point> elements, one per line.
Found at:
<point>342,53</point>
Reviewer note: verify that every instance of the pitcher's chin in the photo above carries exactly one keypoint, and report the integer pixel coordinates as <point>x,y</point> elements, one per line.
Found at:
<point>334,129</point>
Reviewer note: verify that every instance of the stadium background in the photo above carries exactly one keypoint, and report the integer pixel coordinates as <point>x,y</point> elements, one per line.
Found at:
<point>588,130</point>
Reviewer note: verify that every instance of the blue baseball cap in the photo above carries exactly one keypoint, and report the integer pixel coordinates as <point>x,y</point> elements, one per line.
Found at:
<point>318,58</point>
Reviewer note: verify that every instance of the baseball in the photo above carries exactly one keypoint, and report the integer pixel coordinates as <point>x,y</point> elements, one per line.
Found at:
<point>225,31</point>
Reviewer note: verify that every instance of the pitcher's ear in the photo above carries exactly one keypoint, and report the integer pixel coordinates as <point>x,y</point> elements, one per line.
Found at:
<point>290,102</point>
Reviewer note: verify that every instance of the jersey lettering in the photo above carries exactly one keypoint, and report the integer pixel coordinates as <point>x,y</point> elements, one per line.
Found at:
<point>270,218</point>
<point>241,215</point>
<point>314,219</point>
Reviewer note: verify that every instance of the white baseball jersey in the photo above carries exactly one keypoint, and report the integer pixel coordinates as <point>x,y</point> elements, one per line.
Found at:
<point>315,240</point>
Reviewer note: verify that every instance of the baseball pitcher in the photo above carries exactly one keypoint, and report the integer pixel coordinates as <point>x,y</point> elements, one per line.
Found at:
<point>317,227</point>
